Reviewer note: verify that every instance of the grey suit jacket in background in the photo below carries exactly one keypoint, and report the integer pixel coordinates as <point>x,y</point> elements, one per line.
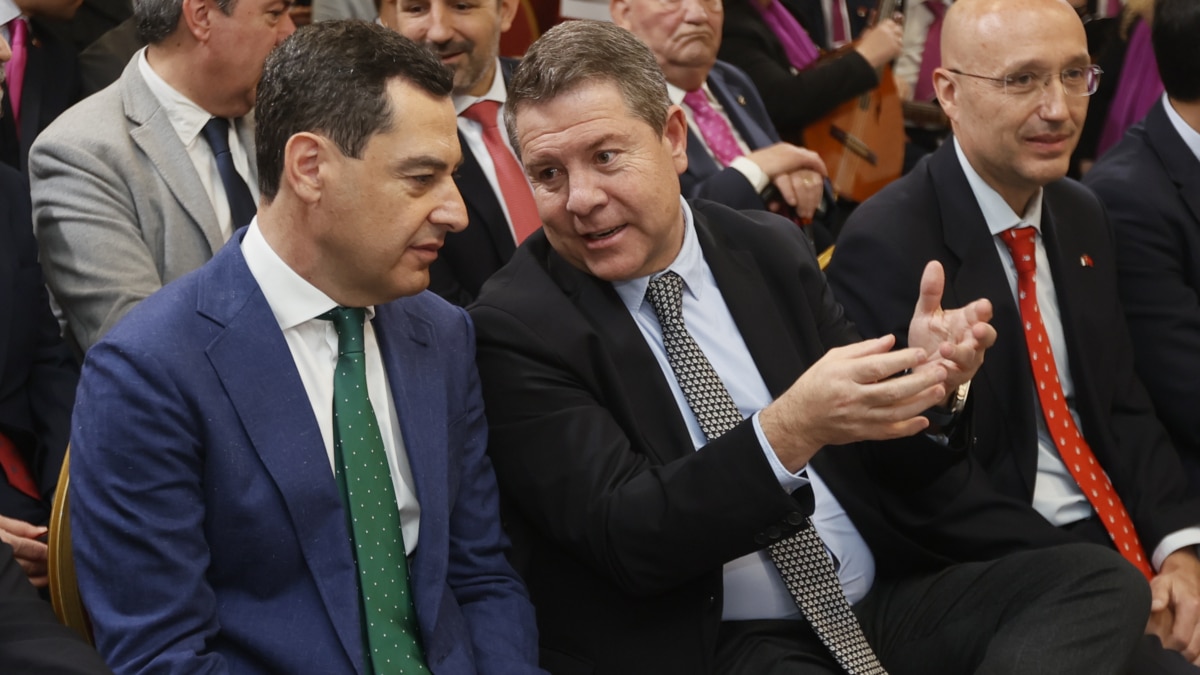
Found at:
<point>117,205</point>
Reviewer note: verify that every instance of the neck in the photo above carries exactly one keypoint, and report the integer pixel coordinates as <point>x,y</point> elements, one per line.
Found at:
<point>687,79</point>
<point>180,63</point>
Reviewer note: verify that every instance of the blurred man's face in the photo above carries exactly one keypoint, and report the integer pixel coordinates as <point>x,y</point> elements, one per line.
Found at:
<point>241,42</point>
<point>683,34</point>
<point>465,34</point>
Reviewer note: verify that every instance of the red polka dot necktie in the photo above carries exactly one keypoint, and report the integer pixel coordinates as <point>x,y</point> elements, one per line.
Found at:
<point>514,187</point>
<point>1074,450</point>
<point>392,641</point>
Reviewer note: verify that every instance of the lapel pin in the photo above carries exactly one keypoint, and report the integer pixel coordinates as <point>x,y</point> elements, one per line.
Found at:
<point>741,100</point>
<point>1085,260</point>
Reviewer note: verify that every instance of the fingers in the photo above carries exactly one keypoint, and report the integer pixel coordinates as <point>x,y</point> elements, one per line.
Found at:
<point>21,528</point>
<point>787,189</point>
<point>782,158</point>
<point>933,283</point>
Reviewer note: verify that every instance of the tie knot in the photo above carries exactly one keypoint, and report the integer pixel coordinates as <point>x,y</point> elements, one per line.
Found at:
<point>1020,245</point>
<point>18,30</point>
<point>697,100</point>
<point>348,322</point>
<point>483,112</point>
<point>665,294</point>
<point>216,132</point>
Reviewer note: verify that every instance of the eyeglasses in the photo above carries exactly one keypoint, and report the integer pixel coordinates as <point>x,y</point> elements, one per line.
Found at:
<point>1082,81</point>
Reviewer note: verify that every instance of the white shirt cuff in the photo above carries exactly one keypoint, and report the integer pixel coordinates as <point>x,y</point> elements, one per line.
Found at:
<point>1188,536</point>
<point>758,178</point>
<point>788,481</point>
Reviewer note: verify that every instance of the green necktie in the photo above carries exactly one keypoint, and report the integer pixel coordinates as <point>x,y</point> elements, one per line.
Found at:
<point>392,640</point>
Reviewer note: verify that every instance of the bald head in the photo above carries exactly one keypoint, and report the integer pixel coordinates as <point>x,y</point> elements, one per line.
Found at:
<point>981,28</point>
<point>1010,84</point>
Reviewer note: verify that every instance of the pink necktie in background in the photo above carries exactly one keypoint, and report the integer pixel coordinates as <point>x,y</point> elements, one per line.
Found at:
<point>715,130</point>
<point>14,70</point>
<point>837,17</point>
<point>931,57</point>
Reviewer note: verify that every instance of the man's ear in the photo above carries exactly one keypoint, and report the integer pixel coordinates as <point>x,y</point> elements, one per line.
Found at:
<point>676,131</point>
<point>508,11</point>
<point>197,16</point>
<point>306,163</point>
<point>946,89</point>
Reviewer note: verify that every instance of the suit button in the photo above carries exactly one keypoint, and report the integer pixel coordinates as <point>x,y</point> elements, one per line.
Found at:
<point>760,538</point>
<point>773,532</point>
<point>795,518</point>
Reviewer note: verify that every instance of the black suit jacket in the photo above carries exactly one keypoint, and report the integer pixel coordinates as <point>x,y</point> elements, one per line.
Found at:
<point>619,526</point>
<point>793,99</point>
<point>1150,183</point>
<point>104,60</point>
<point>37,373</point>
<point>469,257</point>
<point>811,15</point>
<point>51,86</point>
<point>931,214</point>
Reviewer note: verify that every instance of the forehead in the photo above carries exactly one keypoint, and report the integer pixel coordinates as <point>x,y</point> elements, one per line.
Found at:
<point>421,122</point>
<point>1030,35</point>
<point>588,109</point>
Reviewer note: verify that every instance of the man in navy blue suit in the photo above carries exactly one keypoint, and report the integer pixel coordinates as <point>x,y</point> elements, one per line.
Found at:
<point>219,518</point>
<point>684,37</point>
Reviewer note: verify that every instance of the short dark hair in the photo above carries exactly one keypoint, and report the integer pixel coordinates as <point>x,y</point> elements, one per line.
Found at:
<point>1176,38</point>
<point>331,78</point>
<point>584,52</point>
<point>157,19</point>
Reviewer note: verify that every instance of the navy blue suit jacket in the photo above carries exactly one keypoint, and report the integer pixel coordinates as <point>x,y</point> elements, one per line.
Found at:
<point>37,372</point>
<point>704,177</point>
<point>209,532</point>
<point>1150,183</point>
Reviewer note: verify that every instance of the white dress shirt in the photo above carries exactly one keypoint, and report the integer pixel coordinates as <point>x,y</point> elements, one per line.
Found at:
<point>1056,495</point>
<point>314,346</point>
<point>472,133</point>
<point>753,587</point>
<point>754,174</point>
<point>188,119</point>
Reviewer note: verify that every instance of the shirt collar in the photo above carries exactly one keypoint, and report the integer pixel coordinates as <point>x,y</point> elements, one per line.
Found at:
<point>293,300</point>
<point>498,92</point>
<point>1190,136</point>
<point>185,116</point>
<point>998,214</point>
<point>8,11</point>
<point>689,265</point>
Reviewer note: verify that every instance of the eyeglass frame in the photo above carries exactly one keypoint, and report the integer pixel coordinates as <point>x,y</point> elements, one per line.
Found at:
<point>1096,71</point>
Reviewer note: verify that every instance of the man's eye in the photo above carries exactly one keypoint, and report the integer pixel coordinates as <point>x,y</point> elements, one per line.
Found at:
<point>605,156</point>
<point>1021,80</point>
<point>1073,75</point>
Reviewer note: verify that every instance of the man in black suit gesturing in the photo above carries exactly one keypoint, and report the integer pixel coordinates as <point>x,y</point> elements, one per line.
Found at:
<point>660,376</point>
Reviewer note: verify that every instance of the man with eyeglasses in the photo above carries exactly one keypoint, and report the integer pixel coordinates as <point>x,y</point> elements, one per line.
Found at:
<point>1063,426</point>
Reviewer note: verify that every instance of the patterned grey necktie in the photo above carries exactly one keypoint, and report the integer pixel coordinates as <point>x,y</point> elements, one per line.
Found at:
<point>801,558</point>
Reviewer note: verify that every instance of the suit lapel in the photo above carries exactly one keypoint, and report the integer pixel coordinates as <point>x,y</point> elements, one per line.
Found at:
<point>254,362</point>
<point>419,394</point>
<point>980,274</point>
<point>484,205</point>
<point>1181,165</point>
<point>153,133</point>
<point>645,396</point>
<point>745,293</point>
<point>734,104</point>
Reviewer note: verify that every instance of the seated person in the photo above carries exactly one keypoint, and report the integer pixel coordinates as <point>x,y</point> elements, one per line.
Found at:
<point>674,514</point>
<point>769,41</point>
<point>1149,183</point>
<point>1067,439</point>
<point>306,492</point>
<point>37,384</point>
